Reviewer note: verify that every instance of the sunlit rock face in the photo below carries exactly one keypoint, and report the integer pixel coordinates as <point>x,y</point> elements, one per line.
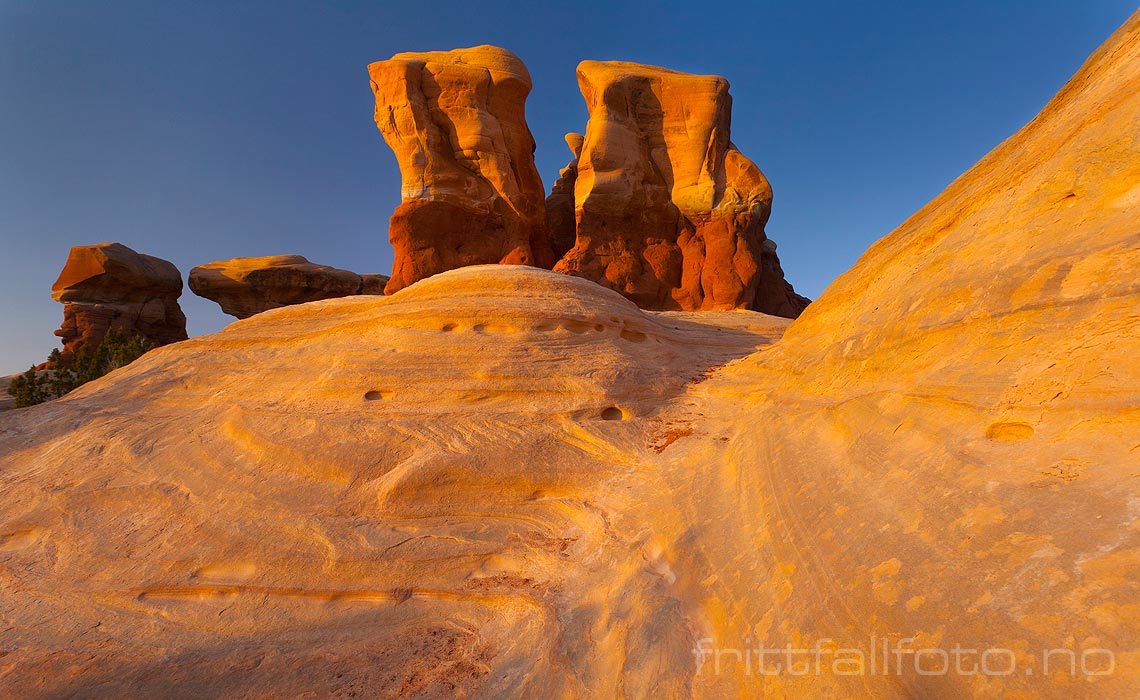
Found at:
<point>108,285</point>
<point>506,482</point>
<point>667,211</point>
<point>945,446</point>
<point>471,193</point>
<point>247,286</point>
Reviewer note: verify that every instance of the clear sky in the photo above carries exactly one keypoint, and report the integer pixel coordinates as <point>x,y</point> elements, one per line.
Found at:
<point>198,131</point>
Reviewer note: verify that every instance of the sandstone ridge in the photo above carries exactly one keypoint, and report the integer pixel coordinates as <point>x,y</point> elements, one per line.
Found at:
<point>432,465</point>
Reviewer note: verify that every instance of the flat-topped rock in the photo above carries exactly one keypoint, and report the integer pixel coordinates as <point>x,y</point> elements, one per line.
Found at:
<point>247,286</point>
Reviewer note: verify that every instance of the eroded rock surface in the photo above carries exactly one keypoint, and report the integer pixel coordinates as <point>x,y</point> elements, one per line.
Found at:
<point>471,193</point>
<point>247,286</point>
<point>108,285</point>
<point>947,440</point>
<point>667,211</point>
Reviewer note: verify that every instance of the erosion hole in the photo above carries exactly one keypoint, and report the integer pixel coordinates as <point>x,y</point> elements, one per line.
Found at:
<point>1009,432</point>
<point>613,413</point>
<point>576,326</point>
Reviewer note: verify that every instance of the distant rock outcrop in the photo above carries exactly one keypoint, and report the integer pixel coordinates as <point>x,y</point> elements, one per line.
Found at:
<point>247,286</point>
<point>108,285</point>
<point>668,212</point>
<point>471,192</point>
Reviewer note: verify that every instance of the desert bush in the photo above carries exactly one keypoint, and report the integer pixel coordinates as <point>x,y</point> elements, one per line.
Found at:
<point>116,350</point>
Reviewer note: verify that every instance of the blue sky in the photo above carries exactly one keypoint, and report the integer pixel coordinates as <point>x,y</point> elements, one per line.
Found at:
<point>206,130</point>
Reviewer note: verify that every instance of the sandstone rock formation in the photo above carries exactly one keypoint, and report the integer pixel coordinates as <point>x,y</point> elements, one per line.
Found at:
<point>506,482</point>
<point>471,193</point>
<point>247,286</point>
<point>668,211</point>
<point>108,285</point>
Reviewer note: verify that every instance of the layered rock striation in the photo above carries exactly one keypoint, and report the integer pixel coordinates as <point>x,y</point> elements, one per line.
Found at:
<point>247,286</point>
<point>471,194</point>
<point>108,285</point>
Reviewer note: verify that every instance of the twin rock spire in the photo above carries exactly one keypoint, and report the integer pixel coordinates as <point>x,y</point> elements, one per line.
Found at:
<point>657,203</point>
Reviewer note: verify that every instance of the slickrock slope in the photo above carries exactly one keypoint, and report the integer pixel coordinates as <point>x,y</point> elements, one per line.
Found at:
<point>668,211</point>
<point>471,193</point>
<point>502,481</point>
<point>247,286</point>
<point>422,493</point>
<point>108,285</point>
<point>946,445</point>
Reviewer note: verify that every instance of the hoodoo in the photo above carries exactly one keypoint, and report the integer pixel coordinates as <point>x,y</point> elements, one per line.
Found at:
<point>471,193</point>
<point>108,285</point>
<point>667,210</point>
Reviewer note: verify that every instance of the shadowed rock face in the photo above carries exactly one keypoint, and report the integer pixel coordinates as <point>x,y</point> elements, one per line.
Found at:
<point>108,285</point>
<point>667,211</point>
<point>247,286</point>
<point>471,194</point>
<point>560,203</point>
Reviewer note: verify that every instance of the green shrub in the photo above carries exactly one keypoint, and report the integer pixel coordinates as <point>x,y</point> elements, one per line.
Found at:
<point>29,388</point>
<point>117,350</point>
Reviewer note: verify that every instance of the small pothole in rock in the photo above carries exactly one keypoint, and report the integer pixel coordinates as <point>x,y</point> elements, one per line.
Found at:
<point>613,413</point>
